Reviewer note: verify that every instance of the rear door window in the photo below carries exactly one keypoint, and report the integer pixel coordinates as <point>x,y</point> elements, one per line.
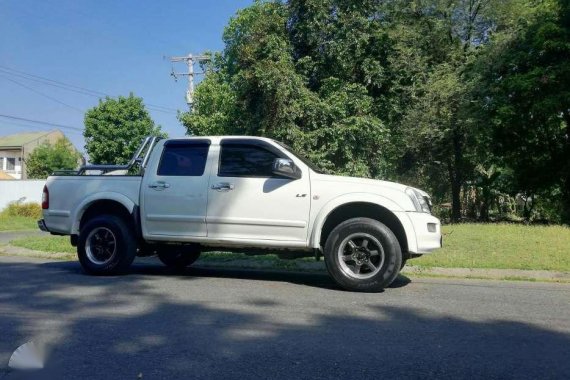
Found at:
<point>184,158</point>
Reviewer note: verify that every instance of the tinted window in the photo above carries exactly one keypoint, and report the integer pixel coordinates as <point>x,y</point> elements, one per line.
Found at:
<point>181,158</point>
<point>11,164</point>
<point>246,160</point>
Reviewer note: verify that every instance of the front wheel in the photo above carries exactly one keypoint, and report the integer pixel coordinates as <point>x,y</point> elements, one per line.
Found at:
<point>106,245</point>
<point>362,254</point>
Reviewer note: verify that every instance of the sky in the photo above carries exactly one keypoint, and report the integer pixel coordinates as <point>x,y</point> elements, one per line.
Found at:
<point>107,46</point>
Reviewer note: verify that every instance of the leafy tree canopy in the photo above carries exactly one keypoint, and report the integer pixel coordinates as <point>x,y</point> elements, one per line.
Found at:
<point>115,128</point>
<point>47,158</point>
<point>527,95</point>
<point>434,93</point>
<point>259,86</point>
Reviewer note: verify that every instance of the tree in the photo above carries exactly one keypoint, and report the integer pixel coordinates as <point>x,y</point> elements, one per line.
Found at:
<point>420,91</point>
<point>437,131</point>
<point>357,88</point>
<point>527,93</point>
<point>47,158</point>
<point>262,85</point>
<point>433,91</point>
<point>115,128</point>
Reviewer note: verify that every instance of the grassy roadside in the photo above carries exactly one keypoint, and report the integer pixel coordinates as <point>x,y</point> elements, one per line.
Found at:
<point>17,223</point>
<point>51,244</point>
<point>502,246</point>
<point>498,246</point>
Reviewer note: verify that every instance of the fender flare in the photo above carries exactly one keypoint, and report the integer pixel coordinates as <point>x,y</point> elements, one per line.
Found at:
<point>379,200</point>
<point>128,203</point>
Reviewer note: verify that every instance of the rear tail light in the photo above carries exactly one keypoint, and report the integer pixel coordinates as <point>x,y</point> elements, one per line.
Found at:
<point>45,198</point>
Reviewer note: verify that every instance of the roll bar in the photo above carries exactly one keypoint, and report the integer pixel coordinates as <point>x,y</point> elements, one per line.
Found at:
<point>138,158</point>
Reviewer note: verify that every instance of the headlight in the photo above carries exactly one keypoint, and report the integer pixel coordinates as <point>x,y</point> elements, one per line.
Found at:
<point>421,202</point>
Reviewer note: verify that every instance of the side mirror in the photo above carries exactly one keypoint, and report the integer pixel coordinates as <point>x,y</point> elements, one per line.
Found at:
<point>285,167</point>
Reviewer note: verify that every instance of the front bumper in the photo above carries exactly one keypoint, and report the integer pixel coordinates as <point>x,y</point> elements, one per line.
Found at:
<point>428,232</point>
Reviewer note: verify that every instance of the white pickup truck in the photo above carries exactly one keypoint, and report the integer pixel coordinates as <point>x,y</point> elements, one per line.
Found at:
<point>180,197</point>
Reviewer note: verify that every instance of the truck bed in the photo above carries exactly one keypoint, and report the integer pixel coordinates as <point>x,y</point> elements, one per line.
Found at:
<point>76,191</point>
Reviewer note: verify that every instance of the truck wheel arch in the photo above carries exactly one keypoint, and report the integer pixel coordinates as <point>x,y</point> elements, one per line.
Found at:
<point>333,215</point>
<point>98,204</point>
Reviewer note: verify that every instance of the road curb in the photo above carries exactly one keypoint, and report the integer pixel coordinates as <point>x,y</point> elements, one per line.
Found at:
<point>497,274</point>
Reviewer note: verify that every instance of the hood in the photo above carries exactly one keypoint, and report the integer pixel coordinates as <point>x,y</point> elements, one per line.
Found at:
<point>359,181</point>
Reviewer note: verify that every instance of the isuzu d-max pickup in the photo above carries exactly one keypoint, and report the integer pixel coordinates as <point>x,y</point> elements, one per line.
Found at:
<point>180,197</point>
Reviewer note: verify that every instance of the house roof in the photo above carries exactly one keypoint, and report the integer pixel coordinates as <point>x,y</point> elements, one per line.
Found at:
<point>20,139</point>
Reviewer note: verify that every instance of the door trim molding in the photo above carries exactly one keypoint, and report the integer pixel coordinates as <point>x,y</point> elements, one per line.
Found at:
<point>176,218</point>
<point>257,222</point>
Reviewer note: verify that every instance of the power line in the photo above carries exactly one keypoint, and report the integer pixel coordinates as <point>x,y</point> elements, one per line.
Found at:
<point>33,128</point>
<point>41,122</point>
<point>56,83</point>
<point>44,95</point>
<point>94,92</point>
<point>24,125</point>
<point>74,88</point>
<point>41,81</point>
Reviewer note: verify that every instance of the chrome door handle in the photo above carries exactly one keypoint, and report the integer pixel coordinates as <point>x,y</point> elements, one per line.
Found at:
<point>223,186</point>
<point>159,185</point>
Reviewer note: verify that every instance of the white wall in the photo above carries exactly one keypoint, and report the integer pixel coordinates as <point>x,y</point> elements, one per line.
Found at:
<point>16,189</point>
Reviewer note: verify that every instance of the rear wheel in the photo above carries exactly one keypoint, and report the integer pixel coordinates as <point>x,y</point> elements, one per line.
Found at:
<point>178,256</point>
<point>362,254</point>
<point>106,245</point>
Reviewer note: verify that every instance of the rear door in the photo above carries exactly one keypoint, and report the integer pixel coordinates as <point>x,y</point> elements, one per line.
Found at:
<point>174,193</point>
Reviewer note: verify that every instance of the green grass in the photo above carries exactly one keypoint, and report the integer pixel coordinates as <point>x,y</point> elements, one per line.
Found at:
<point>17,223</point>
<point>45,243</point>
<point>501,246</point>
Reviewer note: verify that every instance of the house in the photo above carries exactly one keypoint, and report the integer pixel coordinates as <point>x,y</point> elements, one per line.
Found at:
<point>14,149</point>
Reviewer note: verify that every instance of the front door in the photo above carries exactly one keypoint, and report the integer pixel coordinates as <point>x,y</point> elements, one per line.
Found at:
<point>246,201</point>
<point>174,196</point>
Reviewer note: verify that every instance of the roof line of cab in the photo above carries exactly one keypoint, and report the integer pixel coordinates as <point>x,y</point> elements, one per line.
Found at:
<point>217,139</point>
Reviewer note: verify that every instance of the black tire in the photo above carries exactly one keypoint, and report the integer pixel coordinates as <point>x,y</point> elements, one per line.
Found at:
<point>386,259</point>
<point>178,257</point>
<point>95,234</point>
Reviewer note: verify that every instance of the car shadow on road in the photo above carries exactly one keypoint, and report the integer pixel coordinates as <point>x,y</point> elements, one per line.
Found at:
<point>312,279</point>
<point>135,326</point>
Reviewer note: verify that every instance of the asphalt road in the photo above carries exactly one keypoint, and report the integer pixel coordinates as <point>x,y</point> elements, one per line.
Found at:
<point>154,324</point>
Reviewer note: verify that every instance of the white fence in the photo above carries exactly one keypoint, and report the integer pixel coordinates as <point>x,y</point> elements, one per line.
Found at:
<point>13,190</point>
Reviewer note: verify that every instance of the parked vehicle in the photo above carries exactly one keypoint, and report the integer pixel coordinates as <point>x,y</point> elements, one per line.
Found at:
<point>180,197</point>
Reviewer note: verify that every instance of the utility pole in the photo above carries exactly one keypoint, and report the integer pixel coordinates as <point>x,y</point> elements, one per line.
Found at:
<point>190,61</point>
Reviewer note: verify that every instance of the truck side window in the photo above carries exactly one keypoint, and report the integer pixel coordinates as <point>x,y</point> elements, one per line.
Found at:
<point>183,158</point>
<point>245,160</point>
